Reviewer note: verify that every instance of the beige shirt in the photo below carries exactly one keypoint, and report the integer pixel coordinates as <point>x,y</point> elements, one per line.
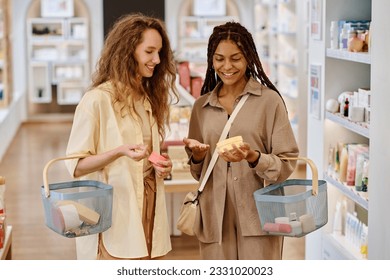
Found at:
<point>263,123</point>
<point>98,127</point>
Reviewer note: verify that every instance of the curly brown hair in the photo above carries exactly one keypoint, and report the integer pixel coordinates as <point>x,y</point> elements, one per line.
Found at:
<point>237,33</point>
<point>118,65</point>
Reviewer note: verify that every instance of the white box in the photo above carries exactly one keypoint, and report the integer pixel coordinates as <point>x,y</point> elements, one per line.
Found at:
<point>364,97</point>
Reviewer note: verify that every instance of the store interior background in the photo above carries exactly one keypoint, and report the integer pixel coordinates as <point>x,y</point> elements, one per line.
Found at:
<point>311,131</point>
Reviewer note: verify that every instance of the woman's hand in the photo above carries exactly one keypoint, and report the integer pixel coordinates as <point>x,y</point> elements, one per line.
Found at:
<point>163,167</point>
<point>239,153</point>
<point>136,152</point>
<point>199,150</point>
<point>94,163</point>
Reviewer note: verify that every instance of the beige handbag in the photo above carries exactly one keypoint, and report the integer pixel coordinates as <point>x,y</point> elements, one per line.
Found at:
<point>188,210</point>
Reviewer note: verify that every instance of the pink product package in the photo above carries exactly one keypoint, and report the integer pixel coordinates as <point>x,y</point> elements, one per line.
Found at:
<point>275,227</point>
<point>155,157</point>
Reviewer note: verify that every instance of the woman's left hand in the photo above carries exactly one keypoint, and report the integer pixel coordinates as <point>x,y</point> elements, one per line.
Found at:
<point>238,153</point>
<point>163,168</point>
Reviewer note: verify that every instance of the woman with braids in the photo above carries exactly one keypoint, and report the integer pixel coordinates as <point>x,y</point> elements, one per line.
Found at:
<point>117,124</point>
<point>227,223</point>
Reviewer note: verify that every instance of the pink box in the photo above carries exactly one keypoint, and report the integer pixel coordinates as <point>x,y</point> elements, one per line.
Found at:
<point>155,157</point>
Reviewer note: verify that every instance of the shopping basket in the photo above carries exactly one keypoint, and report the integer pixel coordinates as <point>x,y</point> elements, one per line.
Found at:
<point>76,208</point>
<point>294,207</point>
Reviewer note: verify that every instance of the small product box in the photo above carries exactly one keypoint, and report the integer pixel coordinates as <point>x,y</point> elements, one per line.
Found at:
<point>364,97</point>
<point>3,227</point>
<point>180,166</point>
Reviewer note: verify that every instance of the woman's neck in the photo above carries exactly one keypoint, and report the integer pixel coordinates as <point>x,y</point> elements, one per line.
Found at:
<point>233,91</point>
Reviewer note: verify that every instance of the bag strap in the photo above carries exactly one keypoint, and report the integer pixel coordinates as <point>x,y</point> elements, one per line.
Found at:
<point>222,137</point>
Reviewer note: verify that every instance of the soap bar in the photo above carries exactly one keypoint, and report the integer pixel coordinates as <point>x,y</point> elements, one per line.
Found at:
<point>279,228</point>
<point>307,222</point>
<point>86,214</point>
<point>228,143</point>
<point>70,216</point>
<point>155,157</point>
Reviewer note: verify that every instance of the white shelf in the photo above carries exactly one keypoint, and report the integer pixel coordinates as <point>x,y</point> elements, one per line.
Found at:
<point>349,191</point>
<point>341,71</point>
<point>359,128</point>
<point>281,39</point>
<point>39,83</point>
<point>194,33</point>
<point>360,57</point>
<point>70,93</point>
<point>63,50</point>
<point>341,248</point>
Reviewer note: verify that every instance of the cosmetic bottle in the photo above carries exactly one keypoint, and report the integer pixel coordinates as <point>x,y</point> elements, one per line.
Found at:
<point>346,108</point>
<point>343,40</point>
<point>334,36</point>
<point>343,164</point>
<point>295,224</point>
<point>337,221</point>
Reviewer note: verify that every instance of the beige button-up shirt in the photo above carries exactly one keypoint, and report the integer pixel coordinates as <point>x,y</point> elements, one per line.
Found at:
<point>263,123</point>
<point>97,128</point>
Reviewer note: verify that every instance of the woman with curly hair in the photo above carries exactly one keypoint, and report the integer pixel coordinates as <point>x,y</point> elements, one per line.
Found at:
<point>118,123</point>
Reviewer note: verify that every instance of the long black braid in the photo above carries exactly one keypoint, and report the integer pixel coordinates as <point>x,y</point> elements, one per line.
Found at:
<point>237,33</point>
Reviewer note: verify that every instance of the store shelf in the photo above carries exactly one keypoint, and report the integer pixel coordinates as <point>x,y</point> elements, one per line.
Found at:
<point>281,38</point>
<point>341,71</point>
<point>6,251</point>
<point>194,34</point>
<point>359,128</point>
<point>59,47</point>
<point>360,57</point>
<point>5,55</point>
<point>349,191</point>
<point>337,247</point>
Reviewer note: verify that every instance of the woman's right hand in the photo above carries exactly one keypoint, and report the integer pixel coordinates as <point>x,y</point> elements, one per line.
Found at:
<point>94,163</point>
<point>136,152</point>
<point>199,150</point>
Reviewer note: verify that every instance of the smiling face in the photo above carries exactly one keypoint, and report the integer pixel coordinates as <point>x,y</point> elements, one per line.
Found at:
<point>147,53</point>
<point>229,63</point>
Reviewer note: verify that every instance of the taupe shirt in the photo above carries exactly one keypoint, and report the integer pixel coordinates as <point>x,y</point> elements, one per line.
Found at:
<point>263,123</point>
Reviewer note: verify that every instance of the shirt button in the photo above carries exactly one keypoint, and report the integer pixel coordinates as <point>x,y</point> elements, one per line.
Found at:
<point>235,178</point>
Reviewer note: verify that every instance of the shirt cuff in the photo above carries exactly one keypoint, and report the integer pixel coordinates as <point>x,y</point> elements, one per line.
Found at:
<point>254,164</point>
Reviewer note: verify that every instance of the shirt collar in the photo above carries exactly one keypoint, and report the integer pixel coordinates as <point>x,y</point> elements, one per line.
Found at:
<point>251,87</point>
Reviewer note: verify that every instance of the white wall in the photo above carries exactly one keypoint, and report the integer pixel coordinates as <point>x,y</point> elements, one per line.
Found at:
<point>379,190</point>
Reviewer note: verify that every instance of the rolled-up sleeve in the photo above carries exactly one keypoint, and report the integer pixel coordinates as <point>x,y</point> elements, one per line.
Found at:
<point>84,133</point>
<point>282,144</point>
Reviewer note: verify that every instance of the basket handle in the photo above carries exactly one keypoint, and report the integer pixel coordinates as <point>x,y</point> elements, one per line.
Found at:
<point>314,172</point>
<point>45,169</point>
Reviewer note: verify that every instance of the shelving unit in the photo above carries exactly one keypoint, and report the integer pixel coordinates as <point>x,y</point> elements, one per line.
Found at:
<point>281,40</point>
<point>59,49</point>
<point>194,35</point>
<point>344,71</point>
<point>6,86</point>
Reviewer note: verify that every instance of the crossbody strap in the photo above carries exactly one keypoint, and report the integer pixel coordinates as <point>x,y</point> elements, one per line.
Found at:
<point>222,137</point>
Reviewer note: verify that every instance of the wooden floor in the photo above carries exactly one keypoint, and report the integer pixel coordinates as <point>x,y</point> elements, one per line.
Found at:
<point>34,145</point>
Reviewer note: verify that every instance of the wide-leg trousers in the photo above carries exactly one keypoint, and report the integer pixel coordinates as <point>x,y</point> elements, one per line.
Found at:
<point>234,245</point>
